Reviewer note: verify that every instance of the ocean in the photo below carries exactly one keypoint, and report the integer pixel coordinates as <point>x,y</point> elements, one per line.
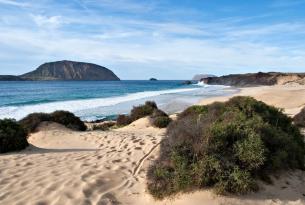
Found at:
<point>93,100</point>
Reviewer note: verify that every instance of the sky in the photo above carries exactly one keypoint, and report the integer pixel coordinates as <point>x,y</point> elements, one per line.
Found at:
<point>165,39</point>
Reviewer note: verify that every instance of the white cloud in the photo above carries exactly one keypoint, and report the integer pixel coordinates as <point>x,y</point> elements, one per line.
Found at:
<point>119,5</point>
<point>51,22</point>
<point>13,3</point>
<point>179,53</point>
<point>214,46</point>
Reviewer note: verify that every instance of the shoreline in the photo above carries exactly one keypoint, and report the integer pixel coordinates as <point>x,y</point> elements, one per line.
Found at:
<point>109,167</point>
<point>291,98</point>
<point>94,105</point>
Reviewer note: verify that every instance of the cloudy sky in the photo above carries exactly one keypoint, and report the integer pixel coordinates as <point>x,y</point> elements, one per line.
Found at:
<point>167,39</point>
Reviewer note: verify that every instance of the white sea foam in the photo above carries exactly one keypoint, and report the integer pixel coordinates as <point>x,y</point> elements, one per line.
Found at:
<point>202,84</point>
<point>18,112</point>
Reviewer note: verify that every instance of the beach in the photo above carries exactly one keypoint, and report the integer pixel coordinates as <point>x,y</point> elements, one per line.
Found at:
<point>109,167</point>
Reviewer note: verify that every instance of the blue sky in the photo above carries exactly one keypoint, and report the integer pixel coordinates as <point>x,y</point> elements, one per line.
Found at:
<point>166,39</point>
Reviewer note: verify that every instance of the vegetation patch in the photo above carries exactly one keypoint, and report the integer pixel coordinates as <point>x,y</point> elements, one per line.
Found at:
<point>123,120</point>
<point>160,119</point>
<point>31,122</point>
<point>104,126</point>
<point>299,119</point>
<point>12,136</point>
<point>141,111</point>
<point>227,146</point>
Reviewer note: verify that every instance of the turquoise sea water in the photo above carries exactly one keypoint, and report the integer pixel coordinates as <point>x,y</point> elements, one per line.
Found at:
<point>93,100</point>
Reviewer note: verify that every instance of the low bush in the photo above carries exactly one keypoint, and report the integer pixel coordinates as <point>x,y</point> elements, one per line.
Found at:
<point>193,110</point>
<point>31,122</point>
<point>158,113</point>
<point>161,122</point>
<point>103,126</point>
<point>123,120</point>
<point>141,111</point>
<point>227,146</point>
<point>160,119</point>
<point>151,104</point>
<point>299,119</point>
<point>69,120</point>
<point>12,136</point>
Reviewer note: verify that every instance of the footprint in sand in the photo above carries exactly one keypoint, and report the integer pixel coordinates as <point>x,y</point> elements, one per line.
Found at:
<point>116,161</point>
<point>99,157</point>
<point>41,203</point>
<point>135,141</point>
<point>108,199</point>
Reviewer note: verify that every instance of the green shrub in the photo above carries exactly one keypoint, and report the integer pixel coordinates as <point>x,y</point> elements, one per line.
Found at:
<point>193,110</point>
<point>32,121</point>
<point>12,136</point>
<point>160,119</point>
<point>151,104</point>
<point>161,122</point>
<point>299,119</point>
<point>158,113</point>
<point>69,120</point>
<point>227,146</point>
<point>141,111</point>
<point>123,120</point>
<point>103,126</point>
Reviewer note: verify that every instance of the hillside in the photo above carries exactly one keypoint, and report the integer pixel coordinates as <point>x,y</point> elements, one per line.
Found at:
<point>70,70</point>
<point>10,78</point>
<point>198,77</point>
<point>65,70</point>
<point>253,79</point>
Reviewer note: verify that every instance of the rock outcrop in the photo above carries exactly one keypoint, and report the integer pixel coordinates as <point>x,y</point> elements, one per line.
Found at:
<point>65,70</point>
<point>198,77</point>
<point>260,78</point>
<point>70,70</point>
<point>10,78</point>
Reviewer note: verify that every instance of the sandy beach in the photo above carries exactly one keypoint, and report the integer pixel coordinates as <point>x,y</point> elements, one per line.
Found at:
<point>109,167</point>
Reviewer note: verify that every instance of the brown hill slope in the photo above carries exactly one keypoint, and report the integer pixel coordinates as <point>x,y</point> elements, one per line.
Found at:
<point>70,70</point>
<point>252,79</point>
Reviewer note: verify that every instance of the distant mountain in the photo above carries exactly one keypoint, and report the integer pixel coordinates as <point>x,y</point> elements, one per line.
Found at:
<point>65,70</point>
<point>198,77</point>
<point>260,78</point>
<point>70,70</point>
<point>10,78</point>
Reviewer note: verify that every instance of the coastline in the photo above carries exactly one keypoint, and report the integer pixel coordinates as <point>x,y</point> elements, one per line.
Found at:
<point>291,98</point>
<point>109,167</point>
<point>98,100</point>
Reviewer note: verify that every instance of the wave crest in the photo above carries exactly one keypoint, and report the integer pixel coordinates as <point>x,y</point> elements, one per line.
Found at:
<point>18,112</point>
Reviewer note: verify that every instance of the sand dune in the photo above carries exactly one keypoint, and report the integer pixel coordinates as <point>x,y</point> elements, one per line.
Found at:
<point>109,167</point>
<point>66,167</point>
